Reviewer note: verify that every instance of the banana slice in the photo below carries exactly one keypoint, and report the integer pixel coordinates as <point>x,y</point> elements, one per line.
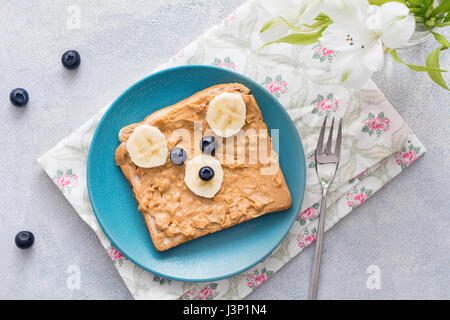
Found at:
<point>226,114</point>
<point>147,147</point>
<point>202,188</point>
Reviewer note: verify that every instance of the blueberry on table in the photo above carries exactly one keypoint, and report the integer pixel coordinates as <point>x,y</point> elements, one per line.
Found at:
<point>24,239</point>
<point>208,145</point>
<point>178,156</point>
<point>19,97</point>
<point>206,173</point>
<point>71,59</point>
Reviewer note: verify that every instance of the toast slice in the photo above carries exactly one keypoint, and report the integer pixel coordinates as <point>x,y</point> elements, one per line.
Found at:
<point>250,188</point>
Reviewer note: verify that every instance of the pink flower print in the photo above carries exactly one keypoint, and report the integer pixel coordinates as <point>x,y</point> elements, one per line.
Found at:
<point>325,105</point>
<point>206,293</point>
<point>259,279</point>
<point>309,239</point>
<point>276,87</point>
<point>359,199</point>
<point>273,86</point>
<point>409,156</point>
<point>375,123</point>
<point>226,63</point>
<point>360,176</point>
<point>65,181</point>
<point>306,238</point>
<point>115,254</point>
<point>308,213</point>
<point>324,51</point>
<point>357,196</point>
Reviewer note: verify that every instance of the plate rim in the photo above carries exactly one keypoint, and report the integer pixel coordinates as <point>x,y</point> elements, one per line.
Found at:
<point>91,151</point>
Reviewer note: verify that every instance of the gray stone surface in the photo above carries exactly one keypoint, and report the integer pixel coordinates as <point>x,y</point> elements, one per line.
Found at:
<point>403,229</point>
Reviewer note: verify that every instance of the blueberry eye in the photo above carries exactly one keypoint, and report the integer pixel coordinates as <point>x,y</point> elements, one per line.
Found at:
<point>208,145</point>
<point>178,156</point>
<point>206,173</point>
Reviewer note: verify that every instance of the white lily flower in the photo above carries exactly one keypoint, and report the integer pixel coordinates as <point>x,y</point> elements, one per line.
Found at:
<point>396,24</point>
<point>296,12</point>
<point>357,34</point>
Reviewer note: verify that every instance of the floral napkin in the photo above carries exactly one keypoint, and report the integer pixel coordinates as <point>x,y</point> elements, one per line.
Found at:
<point>377,145</point>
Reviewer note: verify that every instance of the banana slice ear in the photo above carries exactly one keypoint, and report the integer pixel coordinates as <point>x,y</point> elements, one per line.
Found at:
<point>147,147</point>
<point>226,114</point>
<point>199,186</point>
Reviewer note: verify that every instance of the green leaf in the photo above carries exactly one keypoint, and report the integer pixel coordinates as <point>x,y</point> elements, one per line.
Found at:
<point>365,129</point>
<point>433,62</point>
<point>297,39</point>
<point>291,26</point>
<point>380,2</point>
<point>69,172</point>
<point>381,115</point>
<point>370,116</point>
<point>213,286</point>
<point>441,39</point>
<point>270,23</point>
<point>302,222</point>
<point>371,133</point>
<point>444,6</point>
<point>414,67</point>
<point>417,3</point>
<point>59,173</point>
<point>330,96</point>
<point>416,149</point>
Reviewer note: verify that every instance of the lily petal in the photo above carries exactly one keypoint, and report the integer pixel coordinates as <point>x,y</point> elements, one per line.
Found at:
<point>309,10</point>
<point>275,32</point>
<point>344,11</point>
<point>374,56</point>
<point>350,69</point>
<point>397,25</point>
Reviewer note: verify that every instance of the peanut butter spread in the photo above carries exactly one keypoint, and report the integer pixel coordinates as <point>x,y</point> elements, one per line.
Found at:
<point>252,185</point>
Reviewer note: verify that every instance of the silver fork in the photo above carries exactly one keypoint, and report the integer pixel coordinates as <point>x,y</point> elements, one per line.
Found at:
<point>326,167</point>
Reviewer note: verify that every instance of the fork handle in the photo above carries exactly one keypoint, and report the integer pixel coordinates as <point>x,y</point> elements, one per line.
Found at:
<point>318,249</point>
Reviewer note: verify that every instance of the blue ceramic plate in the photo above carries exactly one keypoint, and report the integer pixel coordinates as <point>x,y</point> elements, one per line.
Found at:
<point>215,256</point>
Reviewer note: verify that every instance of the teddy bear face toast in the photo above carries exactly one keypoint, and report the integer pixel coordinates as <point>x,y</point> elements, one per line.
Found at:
<point>202,165</point>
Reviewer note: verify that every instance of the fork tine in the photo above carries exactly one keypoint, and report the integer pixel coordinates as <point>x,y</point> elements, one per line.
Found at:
<point>330,139</point>
<point>337,149</point>
<point>321,135</point>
